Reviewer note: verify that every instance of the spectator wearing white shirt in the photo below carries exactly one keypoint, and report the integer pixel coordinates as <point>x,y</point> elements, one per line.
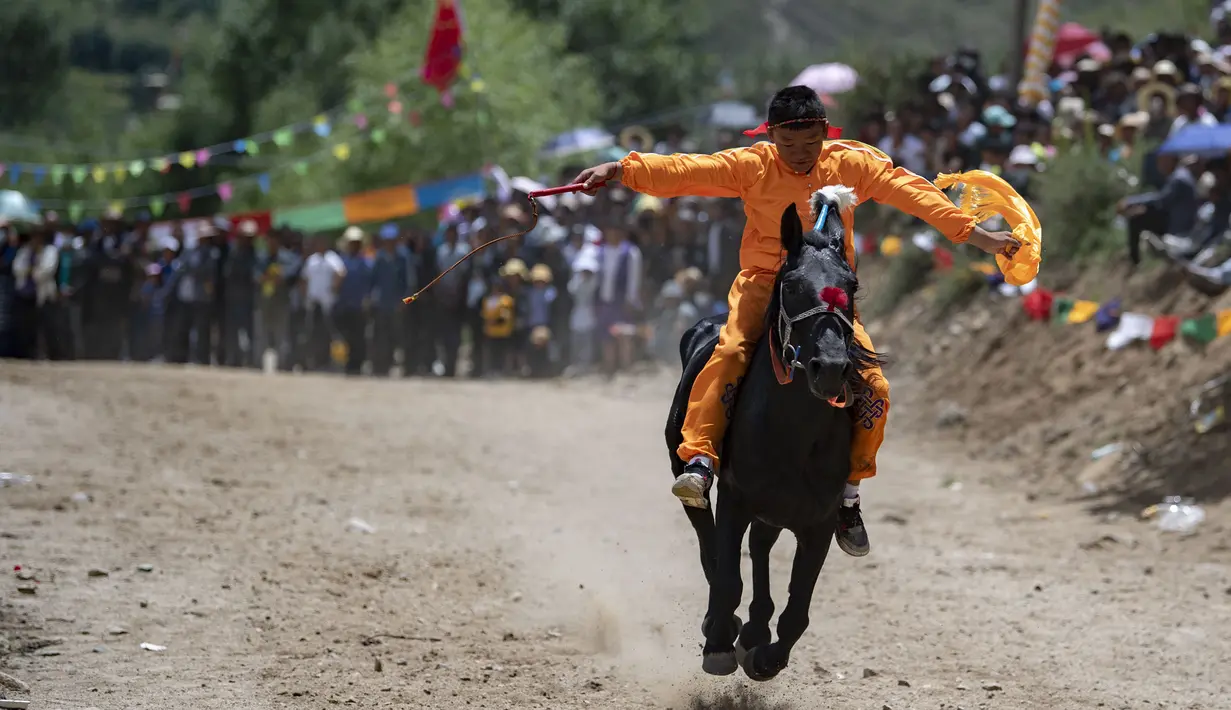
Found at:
<point>320,279</point>
<point>1190,104</point>
<point>905,149</point>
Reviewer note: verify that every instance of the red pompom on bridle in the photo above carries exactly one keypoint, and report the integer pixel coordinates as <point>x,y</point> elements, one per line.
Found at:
<point>835,298</point>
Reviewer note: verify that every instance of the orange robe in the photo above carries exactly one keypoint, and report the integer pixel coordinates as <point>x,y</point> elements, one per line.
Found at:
<point>766,186</point>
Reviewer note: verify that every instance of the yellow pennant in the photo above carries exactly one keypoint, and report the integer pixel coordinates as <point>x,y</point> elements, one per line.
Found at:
<point>1224,323</point>
<point>341,151</point>
<point>188,159</point>
<point>1082,311</point>
<point>99,173</point>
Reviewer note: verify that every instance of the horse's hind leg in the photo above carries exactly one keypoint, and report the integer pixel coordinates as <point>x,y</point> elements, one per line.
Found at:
<point>810,552</point>
<point>761,541</point>
<point>721,626</point>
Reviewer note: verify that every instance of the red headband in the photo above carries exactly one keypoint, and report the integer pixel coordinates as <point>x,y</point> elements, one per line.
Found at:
<point>834,132</point>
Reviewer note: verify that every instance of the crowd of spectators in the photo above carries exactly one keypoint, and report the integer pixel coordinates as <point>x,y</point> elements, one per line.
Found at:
<point>603,283</point>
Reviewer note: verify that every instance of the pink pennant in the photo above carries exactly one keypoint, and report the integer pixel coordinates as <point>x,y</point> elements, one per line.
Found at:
<point>361,121</point>
<point>202,156</point>
<point>225,192</point>
<point>184,200</point>
<point>391,90</point>
<point>446,99</point>
<point>415,118</point>
<point>395,107</point>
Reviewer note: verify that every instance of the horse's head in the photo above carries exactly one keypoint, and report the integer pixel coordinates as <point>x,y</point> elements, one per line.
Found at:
<point>816,297</point>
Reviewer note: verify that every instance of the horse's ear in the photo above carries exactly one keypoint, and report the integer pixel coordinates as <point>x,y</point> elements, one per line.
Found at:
<point>792,231</point>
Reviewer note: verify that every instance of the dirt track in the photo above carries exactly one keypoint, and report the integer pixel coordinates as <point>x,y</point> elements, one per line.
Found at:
<point>526,553</point>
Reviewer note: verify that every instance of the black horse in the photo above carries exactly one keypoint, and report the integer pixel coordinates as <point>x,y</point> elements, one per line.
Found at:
<point>786,456</point>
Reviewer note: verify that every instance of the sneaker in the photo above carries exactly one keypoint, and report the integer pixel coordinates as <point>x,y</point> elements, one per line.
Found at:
<point>851,535</point>
<point>691,485</point>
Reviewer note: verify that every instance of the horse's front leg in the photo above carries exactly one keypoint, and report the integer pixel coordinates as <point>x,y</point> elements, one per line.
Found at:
<point>721,626</point>
<point>761,539</point>
<point>812,547</point>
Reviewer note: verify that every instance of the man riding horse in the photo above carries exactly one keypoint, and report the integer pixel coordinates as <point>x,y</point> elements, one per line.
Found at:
<point>768,176</point>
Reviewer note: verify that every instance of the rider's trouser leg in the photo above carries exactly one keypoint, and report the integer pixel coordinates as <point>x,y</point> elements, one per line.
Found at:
<point>871,410</point>
<point>713,393</point>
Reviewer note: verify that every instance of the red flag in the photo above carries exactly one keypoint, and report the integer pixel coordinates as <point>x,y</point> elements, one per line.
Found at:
<point>1037,304</point>
<point>833,134</point>
<point>444,47</point>
<point>1164,331</point>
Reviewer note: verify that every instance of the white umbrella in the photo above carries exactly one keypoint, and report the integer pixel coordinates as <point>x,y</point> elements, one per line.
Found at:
<point>829,78</point>
<point>579,140</point>
<point>14,207</point>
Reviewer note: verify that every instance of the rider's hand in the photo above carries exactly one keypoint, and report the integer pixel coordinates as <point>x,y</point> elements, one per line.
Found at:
<point>996,243</point>
<point>594,177</point>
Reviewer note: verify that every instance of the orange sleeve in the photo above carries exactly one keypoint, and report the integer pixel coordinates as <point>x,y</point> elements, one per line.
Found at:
<point>874,177</point>
<point>726,174</point>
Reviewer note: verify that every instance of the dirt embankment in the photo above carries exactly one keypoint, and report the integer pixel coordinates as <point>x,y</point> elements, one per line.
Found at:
<point>1046,396</point>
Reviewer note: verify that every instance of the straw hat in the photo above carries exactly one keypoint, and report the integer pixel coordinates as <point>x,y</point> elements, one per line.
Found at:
<point>541,273</point>
<point>514,267</point>
<point>1136,119</point>
<point>1166,68</point>
<point>352,234</point>
<point>1155,89</point>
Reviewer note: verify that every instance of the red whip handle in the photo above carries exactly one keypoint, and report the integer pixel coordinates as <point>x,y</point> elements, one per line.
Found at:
<point>575,187</point>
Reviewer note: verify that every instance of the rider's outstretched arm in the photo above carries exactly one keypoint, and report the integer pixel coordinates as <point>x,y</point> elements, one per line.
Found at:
<point>725,174</point>
<point>875,178</point>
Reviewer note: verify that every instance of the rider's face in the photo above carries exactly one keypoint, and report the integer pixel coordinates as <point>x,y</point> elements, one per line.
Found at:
<point>800,147</point>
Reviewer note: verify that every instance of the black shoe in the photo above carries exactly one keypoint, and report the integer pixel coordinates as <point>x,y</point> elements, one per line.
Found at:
<point>852,536</point>
<point>691,485</point>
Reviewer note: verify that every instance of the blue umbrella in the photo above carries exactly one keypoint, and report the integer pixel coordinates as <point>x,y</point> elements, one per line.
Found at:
<point>1205,141</point>
<point>579,140</point>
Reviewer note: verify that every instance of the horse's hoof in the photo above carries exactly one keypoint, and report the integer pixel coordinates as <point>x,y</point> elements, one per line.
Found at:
<point>719,663</point>
<point>748,661</point>
<point>739,625</point>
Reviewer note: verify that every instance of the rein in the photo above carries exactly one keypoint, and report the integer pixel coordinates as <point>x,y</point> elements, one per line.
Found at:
<point>785,357</point>
<point>534,222</point>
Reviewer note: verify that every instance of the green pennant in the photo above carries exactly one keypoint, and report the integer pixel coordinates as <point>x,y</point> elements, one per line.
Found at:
<point>251,147</point>
<point>283,137</point>
<point>1061,308</point>
<point>1203,330</point>
<point>57,174</point>
<point>157,205</point>
<point>378,135</point>
<point>354,106</point>
<point>136,167</point>
<point>301,168</point>
<point>79,173</point>
<point>75,210</point>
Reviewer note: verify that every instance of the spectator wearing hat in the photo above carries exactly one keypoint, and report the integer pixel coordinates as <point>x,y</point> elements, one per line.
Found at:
<point>354,299</point>
<point>390,284</point>
<point>515,274</point>
<point>583,316</point>
<point>451,293</point>
<point>322,276</point>
<point>1171,210</point>
<point>621,273</point>
<point>499,320</point>
<point>278,272</point>
<point>151,315</point>
<point>1190,107</point>
<point>1220,99</point>
<point>419,323</point>
<point>240,274</point>
<point>540,301</point>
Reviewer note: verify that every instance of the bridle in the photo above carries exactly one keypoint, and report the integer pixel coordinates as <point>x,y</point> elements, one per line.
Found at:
<point>789,354</point>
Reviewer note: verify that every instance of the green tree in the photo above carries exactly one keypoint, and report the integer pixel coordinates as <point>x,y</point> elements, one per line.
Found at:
<point>33,60</point>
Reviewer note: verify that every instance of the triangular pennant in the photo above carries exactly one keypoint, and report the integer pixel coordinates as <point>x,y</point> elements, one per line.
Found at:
<point>98,173</point>
<point>184,200</point>
<point>136,167</point>
<point>262,181</point>
<point>378,135</point>
<point>415,118</point>
<point>395,107</point>
<point>39,173</point>
<point>240,146</point>
<point>120,172</point>
<point>478,86</point>
<point>251,147</point>
<point>79,173</point>
<point>188,159</point>
<point>157,205</point>
<point>14,174</point>
<point>391,90</point>
<point>1037,304</point>
<point>1131,327</point>
<point>75,210</point>
<point>321,127</point>
<point>1202,330</point>
<point>225,191</point>
<point>446,99</point>
<point>301,168</point>
<point>354,105</point>
<point>283,137</point>
<point>116,207</point>
<point>162,165</point>
<point>57,174</point>
<point>203,156</point>
<point>341,151</point>
<point>361,121</point>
